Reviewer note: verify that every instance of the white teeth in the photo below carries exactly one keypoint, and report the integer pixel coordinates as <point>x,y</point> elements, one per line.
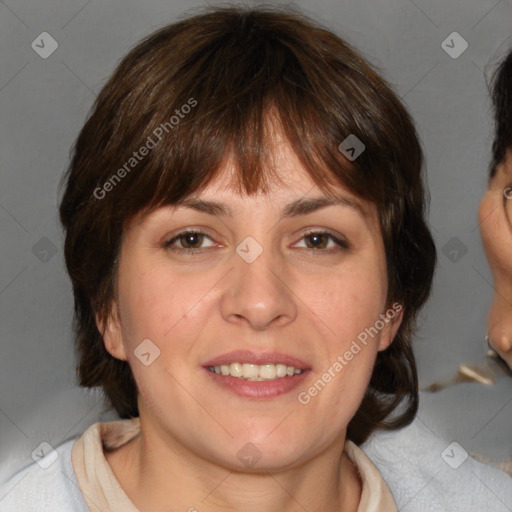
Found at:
<point>236,370</point>
<point>281,370</point>
<point>267,371</point>
<point>250,371</point>
<point>256,372</point>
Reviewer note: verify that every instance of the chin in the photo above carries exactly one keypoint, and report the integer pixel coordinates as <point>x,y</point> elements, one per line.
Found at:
<point>245,454</point>
<point>252,459</point>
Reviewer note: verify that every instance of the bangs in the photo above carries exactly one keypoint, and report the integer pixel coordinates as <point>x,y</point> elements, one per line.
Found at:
<point>214,144</point>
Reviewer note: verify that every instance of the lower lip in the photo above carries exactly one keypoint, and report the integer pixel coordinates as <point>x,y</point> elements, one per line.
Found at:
<point>258,389</point>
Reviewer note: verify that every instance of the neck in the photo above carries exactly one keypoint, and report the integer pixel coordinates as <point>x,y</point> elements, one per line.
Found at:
<point>158,473</point>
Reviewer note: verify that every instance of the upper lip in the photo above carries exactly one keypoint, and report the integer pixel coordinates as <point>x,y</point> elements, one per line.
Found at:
<point>259,358</point>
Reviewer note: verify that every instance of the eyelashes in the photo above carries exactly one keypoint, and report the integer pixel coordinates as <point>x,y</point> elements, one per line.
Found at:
<point>317,234</point>
<point>318,242</point>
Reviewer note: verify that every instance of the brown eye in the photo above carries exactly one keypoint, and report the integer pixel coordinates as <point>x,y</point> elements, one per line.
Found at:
<point>187,241</point>
<point>317,240</point>
<point>191,240</point>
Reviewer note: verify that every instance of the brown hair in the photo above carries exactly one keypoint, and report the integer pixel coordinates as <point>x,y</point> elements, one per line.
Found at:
<point>233,67</point>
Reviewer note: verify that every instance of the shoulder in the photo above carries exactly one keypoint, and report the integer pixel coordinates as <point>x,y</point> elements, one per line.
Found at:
<point>46,485</point>
<point>425,472</point>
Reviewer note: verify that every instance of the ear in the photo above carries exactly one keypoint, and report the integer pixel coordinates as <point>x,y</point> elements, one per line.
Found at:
<point>111,332</point>
<point>392,319</point>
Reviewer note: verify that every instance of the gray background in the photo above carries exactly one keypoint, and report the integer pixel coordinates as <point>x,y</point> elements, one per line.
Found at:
<point>44,102</point>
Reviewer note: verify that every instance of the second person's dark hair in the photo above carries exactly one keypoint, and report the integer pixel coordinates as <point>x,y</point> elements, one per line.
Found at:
<point>501,94</point>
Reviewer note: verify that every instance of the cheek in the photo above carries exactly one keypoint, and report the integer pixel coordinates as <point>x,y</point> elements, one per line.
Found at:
<point>140,304</point>
<point>151,303</point>
<point>487,205</point>
<point>496,231</point>
<point>352,299</point>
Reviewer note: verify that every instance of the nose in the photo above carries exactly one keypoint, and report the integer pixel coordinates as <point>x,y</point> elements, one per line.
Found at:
<point>258,293</point>
<point>504,344</point>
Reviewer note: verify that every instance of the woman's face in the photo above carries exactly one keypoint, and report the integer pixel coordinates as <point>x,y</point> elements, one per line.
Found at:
<point>495,220</point>
<point>255,280</point>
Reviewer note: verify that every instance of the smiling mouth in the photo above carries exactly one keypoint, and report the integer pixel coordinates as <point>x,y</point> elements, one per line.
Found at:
<point>256,372</point>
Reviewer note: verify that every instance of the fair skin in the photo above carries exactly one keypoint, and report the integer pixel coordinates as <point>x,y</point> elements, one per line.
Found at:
<point>304,302</point>
<point>495,217</point>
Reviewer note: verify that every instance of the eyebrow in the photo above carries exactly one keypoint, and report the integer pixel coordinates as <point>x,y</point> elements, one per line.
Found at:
<point>302,206</point>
